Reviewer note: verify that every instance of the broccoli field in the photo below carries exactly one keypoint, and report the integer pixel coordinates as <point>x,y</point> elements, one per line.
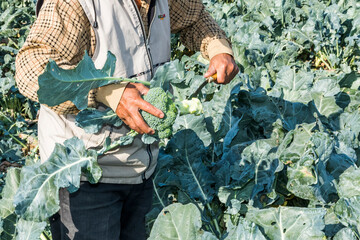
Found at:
<point>274,154</point>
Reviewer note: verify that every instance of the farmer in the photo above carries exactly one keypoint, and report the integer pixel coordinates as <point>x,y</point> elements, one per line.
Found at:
<point>137,32</point>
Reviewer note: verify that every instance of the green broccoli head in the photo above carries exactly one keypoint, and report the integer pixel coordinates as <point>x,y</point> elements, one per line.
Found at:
<point>161,100</point>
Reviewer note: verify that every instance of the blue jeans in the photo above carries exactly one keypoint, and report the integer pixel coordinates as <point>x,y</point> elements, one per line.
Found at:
<point>103,211</point>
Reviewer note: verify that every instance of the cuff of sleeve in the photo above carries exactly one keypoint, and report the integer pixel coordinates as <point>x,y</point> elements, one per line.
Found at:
<point>218,46</point>
<point>110,95</point>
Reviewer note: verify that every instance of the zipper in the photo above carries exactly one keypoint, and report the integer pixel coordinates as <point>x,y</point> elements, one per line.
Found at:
<point>145,38</point>
<point>151,23</point>
<point>148,40</point>
<point>148,150</point>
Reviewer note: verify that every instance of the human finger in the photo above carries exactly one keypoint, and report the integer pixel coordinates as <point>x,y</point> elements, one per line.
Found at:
<point>141,88</point>
<point>148,107</point>
<point>211,71</point>
<point>141,124</point>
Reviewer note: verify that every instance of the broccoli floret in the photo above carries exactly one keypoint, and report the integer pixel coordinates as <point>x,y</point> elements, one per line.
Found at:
<point>161,100</point>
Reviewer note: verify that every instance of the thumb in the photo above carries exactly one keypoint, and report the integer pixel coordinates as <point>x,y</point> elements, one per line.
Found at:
<point>211,71</point>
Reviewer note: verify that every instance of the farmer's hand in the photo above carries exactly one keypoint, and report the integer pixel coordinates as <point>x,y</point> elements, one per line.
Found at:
<point>224,65</point>
<point>130,104</point>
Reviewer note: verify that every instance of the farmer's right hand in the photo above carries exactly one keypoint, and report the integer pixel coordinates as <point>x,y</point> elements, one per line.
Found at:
<point>130,104</point>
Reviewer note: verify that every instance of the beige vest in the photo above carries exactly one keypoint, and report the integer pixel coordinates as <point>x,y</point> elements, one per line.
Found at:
<point>119,29</point>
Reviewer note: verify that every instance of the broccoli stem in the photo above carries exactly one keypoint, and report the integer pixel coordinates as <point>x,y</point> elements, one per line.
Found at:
<point>120,79</point>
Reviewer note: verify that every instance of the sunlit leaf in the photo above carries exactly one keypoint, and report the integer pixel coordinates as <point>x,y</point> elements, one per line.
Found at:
<point>290,222</point>
<point>38,195</point>
<point>57,85</point>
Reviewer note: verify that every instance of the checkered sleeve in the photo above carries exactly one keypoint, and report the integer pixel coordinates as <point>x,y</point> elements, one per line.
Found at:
<point>196,27</point>
<point>61,32</point>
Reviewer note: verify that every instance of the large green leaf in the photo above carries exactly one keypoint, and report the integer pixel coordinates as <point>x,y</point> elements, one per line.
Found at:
<point>165,183</point>
<point>327,85</point>
<point>165,180</point>
<point>312,163</point>
<point>220,108</point>
<point>29,230</point>
<point>323,148</point>
<point>290,222</point>
<point>293,86</point>
<point>92,120</point>
<point>244,230</point>
<point>266,110</point>
<point>195,123</point>
<point>232,196</point>
<point>188,153</point>
<point>349,182</point>
<point>347,143</point>
<point>354,95</point>
<point>348,211</point>
<point>38,195</point>
<point>9,227</point>
<point>258,163</point>
<point>178,221</point>
<point>57,85</point>
<point>326,105</point>
<point>350,79</point>
<point>172,72</point>
<point>345,234</point>
<point>295,144</point>
<point>301,178</point>
<point>350,121</point>
<point>230,137</point>
<point>12,184</point>
<point>290,113</point>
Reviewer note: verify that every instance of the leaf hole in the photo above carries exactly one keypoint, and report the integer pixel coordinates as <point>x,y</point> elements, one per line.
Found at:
<point>284,230</point>
<point>273,223</point>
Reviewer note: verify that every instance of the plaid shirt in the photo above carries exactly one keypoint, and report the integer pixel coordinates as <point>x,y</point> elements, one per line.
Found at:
<point>62,32</point>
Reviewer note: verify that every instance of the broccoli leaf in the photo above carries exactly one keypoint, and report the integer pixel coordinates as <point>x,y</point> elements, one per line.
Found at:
<point>92,120</point>
<point>188,154</point>
<point>293,86</point>
<point>38,195</point>
<point>349,182</point>
<point>244,230</point>
<point>290,222</point>
<point>195,123</point>
<point>148,139</point>
<point>9,227</point>
<point>348,211</point>
<point>57,85</point>
<point>220,108</point>
<point>28,230</point>
<point>345,234</point>
<point>174,223</point>
<point>257,163</point>
<point>326,105</point>
<point>12,184</point>
<point>172,72</point>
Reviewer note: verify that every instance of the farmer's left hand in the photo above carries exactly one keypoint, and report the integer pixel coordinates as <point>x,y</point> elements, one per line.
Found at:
<point>224,65</point>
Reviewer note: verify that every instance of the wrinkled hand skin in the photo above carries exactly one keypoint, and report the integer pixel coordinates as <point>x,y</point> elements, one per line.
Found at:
<point>224,65</point>
<point>130,104</point>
